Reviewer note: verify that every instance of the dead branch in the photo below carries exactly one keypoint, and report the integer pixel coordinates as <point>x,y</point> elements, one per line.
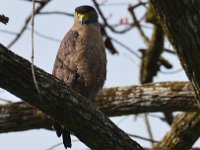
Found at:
<point>183,134</point>
<point>154,97</point>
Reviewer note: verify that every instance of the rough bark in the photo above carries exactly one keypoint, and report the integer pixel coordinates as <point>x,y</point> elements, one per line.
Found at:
<point>151,65</point>
<point>154,97</point>
<point>168,96</point>
<point>13,114</point>
<point>180,21</point>
<point>183,134</point>
<point>62,103</point>
<point>150,60</point>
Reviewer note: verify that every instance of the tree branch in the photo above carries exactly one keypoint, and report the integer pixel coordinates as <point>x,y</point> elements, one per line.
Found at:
<point>158,97</point>
<point>37,10</point>
<point>61,103</point>
<point>137,24</point>
<point>150,59</point>
<point>180,21</point>
<point>184,132</point>
<point>13,114</point>
<point>182,28</point>
<point>106,24</point>
<point>153,97</point>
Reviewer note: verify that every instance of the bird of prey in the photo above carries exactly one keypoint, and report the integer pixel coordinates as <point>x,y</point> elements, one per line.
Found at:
<point>81,60</point>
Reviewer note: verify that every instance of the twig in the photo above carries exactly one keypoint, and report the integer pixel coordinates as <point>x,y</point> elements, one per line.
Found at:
<point>156,116</point>
<point>32,45</point>
<point>126,47</point>
<point>36,1</point>
<point>54,146</point>
<point>45,36</point>
<point>148,127</point>
<point>55,13</point>
<point>105,20</point>
<point>143,138</point>
<point>137,24</point>
<point>8,32</point>
<point>131,59</point>
<point>35,32</point>
<point>129,25</point>
<point>4,19</point>
<point>169,51</point>
<point>19,34</point>
<point>5,100</point>
<point>139,4</point>
<point>171,72</point>
<point>113,4</point>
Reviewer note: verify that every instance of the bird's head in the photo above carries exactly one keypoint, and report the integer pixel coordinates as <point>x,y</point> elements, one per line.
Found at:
<point>86,14</point>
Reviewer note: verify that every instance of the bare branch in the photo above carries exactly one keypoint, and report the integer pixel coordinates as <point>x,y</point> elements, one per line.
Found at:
<point>137,24</point>
<point>184,132</point>
<point>126,47</point>
<point>106,23</point>
<point>13,114</point>
<point>142,138</point>
<point>19,34</point>
<point>150,59</point>
<point>32,47</point>
<point>155,97</point>
<point>55,13</point>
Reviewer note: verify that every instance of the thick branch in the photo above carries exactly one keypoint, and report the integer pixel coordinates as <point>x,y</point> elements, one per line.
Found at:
<point>154,97</point>
<point>61,103</point>
<point>150,65</point>
<point>180,21</point>
<point>168,96</point>
<point>13,114</point>
<point>183,134</point>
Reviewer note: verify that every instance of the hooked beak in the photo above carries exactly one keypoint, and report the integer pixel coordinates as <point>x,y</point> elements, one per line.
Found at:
<point>82,19</point>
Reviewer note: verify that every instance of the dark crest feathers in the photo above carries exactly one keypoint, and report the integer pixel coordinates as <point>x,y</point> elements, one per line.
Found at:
<point>84,9</point>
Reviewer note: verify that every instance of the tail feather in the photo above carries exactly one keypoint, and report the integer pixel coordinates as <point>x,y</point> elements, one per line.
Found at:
<point>58,128</point>
<point>66,138</point>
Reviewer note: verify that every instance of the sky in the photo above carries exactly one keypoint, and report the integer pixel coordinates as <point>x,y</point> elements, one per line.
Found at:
<point>122,69</point>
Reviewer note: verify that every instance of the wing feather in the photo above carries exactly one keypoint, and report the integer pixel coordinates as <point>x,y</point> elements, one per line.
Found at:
<point>64,68</point>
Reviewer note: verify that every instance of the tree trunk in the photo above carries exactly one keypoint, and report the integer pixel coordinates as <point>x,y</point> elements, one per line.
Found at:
<point>180,20</point>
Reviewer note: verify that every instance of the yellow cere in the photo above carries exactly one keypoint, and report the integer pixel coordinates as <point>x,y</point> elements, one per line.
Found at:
<point>84,16</point>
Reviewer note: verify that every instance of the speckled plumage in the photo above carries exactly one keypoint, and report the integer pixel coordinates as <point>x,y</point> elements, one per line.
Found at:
<point>81,62</point>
